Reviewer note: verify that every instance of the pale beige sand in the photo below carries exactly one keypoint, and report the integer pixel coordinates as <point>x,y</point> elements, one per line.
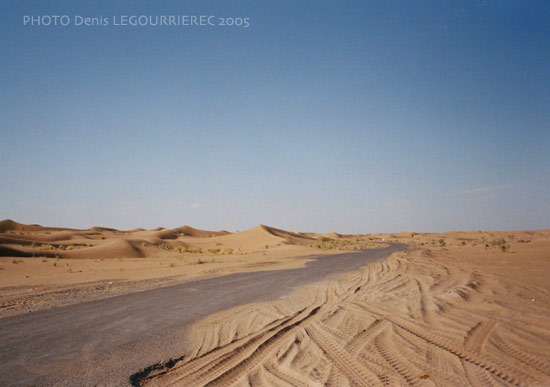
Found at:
<point>441,313</point>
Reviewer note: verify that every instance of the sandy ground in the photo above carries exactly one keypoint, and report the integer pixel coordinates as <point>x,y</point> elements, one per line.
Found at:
<point>453,309</point>
<point>442,313</point>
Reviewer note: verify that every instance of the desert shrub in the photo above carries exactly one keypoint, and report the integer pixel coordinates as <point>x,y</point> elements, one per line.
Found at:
<point>442,243</point>
<point>228,251</point>
<point>501,244</point>
<point>165,246</point>
<point>498,242</point>
<point>214,251</point>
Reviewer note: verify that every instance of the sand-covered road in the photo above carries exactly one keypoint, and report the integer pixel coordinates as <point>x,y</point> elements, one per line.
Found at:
<point>106,341</point>
<point>453,316</point>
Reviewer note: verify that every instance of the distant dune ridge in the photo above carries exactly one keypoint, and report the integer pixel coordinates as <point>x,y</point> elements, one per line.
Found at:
<point>21,240</point>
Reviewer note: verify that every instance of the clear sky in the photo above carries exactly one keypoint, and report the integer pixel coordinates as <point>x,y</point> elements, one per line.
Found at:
<point>352,116</point>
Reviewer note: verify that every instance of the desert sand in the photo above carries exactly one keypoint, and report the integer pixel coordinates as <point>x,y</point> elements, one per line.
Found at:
<point>454,309</point>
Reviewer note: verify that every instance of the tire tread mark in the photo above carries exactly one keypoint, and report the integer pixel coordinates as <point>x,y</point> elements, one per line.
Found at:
<point>361,339</point>
<point>355,371</point>
<point>386,347</point>
<point>520,355</point>
<point>490,365</point>
<point>477,336</point>
<point>232,370</point>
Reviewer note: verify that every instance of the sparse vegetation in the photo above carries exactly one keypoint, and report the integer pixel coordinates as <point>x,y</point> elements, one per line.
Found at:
<point>501,244</point>
<point>228,251</point>
<point>442,243</point>
<point>194,250</point>
<point>165,246</point>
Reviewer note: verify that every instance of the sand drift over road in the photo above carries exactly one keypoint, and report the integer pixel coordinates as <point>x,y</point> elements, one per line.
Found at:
<point>413,319</point>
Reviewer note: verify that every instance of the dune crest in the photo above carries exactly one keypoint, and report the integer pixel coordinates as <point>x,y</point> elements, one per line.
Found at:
<point>97,242</point>
<point>195,232</point>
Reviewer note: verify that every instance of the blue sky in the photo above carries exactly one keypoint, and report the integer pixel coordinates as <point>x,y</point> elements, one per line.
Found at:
<point>352,116</point>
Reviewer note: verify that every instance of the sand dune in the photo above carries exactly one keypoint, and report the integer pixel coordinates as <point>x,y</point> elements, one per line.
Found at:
<point>97,242</point>
<point>111,249</point>
<point>194,232</point>
<point>10,225</point>
<point>255,239</point>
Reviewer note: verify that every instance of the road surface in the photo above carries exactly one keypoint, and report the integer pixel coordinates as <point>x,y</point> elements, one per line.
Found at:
<point>104,342</point>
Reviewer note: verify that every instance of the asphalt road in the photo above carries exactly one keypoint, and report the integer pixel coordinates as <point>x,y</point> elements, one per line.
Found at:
<point>104,342</point>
